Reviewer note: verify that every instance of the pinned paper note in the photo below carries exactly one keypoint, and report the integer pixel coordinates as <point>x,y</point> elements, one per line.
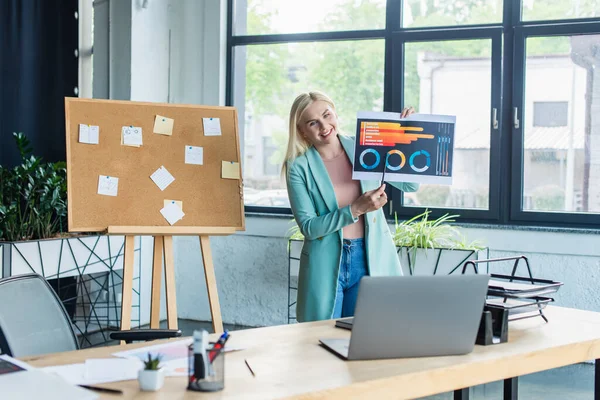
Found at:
<point>172,213</point>
<point>178,203</point>
<point>212,126</point>
<point>89,134</point>
<point>131,136</point>
<point>162,178</point>
<point>108,185</point>
<point>194,155</point>
<point>163,125</point>
<point>230,170</point>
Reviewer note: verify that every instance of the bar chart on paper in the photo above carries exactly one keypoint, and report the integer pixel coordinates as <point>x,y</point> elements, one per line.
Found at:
<point>418,148</point>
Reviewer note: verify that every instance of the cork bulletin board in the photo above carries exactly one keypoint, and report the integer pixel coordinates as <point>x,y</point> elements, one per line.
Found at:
<point>209,194</point>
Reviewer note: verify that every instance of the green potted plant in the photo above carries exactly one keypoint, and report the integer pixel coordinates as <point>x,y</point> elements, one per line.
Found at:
<point>34,238</point>
<point>152,377</point>
<point>442,245</point>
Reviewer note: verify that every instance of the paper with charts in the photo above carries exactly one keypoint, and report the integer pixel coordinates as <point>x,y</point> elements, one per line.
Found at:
<point>162,178</point>
<point>418,148</point>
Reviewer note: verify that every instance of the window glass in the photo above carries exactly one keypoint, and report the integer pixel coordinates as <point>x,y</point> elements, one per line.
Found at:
<point>261,17</point>
<point>561,124</point>
<point>454,78</point>
<point>423,13</point>
<point>539,10</point>
<point>271,76</point>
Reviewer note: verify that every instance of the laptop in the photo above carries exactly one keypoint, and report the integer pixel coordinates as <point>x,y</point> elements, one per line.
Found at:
<point>413,316</point>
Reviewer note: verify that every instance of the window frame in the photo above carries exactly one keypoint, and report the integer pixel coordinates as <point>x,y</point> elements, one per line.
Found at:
<point>517,214</point>
<point>508,62</point>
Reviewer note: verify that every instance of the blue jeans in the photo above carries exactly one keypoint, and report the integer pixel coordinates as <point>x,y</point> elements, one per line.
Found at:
<point>353,266</point>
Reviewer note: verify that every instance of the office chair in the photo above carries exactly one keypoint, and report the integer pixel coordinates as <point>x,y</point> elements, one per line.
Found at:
<point>33,320</point>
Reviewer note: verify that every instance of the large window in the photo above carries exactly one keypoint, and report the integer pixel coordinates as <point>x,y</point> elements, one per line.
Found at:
<point>524,87</point>
<point>561,149</point>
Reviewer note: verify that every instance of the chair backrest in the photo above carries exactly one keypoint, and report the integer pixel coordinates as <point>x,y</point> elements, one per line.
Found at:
<point>33,320</point>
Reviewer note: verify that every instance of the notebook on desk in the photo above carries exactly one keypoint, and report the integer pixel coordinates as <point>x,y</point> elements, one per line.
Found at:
<point>415,316</point>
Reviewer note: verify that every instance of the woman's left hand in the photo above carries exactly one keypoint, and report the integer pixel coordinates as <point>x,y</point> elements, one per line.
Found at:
<point>407,111</point>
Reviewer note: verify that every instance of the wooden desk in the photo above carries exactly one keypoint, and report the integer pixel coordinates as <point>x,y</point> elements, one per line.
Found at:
<point>288,362</point>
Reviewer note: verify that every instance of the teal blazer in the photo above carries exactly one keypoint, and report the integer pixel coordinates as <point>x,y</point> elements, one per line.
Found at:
<point>320,220</point>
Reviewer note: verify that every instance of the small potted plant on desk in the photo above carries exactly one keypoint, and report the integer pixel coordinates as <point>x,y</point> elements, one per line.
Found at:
<point>152,377</point>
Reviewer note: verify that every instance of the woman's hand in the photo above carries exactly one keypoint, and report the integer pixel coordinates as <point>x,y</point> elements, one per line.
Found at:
<point>406,112</point>
<point>369,201</point>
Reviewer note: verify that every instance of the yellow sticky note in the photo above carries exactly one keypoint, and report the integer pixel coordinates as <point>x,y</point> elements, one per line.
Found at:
<point>163,125</point>
<point>179,203</point>
<point>230,170</point>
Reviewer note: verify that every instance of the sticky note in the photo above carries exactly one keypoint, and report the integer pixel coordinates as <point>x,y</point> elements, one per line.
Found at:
<point>162,178</point>
<point>89,134</point>
<point>212,126</point>
<point>163,125</point>
<point>230,170</point>
<point>131,136</point>
<point>178,203</point>
<point>172,213</point>
<point>194,155</point>
<point>108,185</point>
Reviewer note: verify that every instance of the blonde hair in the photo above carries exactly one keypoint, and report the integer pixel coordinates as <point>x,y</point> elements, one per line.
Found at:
<point>297,144</point>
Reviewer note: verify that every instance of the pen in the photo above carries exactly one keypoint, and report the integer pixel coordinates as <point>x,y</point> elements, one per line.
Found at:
<point>248,365</point>
<point>101,389</point>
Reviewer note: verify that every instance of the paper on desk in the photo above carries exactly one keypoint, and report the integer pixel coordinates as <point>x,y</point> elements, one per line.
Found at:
<point>163,125</point>
<point>162,178</point>
<point>170,351</point>
<point>89,134</point>
<point>172,213</point>
<point>212,126</point>
<point>98,370</point>
<point>38,384</point>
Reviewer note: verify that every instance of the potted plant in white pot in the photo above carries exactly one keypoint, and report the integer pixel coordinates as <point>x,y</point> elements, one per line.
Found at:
<point>432,246</point>
<point>152,377</point>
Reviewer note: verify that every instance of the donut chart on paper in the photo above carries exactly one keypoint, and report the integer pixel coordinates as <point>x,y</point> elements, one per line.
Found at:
<point>402,160</point>
<point>414,155</point>
<point>362,159</point>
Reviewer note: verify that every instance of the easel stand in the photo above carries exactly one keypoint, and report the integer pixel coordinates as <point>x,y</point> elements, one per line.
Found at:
<point>163,252</point>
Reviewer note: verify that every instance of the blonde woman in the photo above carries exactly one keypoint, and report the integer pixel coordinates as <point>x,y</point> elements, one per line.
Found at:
<point>346,235</point>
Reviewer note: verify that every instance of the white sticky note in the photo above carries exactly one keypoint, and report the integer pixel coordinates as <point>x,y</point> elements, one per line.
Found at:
<point>131,136</point>
<point>212,126</point>
<point>194,155</point>
<point>108,185</point>
<point>162,178</point>
<point>172,213</point>
<point>89,134</point>
<point>178,203</point>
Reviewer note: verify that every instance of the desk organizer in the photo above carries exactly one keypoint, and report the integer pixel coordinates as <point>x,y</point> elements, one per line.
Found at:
<point>510,298</point>
<point>214,380</point>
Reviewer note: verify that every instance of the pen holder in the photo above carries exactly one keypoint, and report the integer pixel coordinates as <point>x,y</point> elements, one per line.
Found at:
<point>213,378</point>
<point>493,328</point>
